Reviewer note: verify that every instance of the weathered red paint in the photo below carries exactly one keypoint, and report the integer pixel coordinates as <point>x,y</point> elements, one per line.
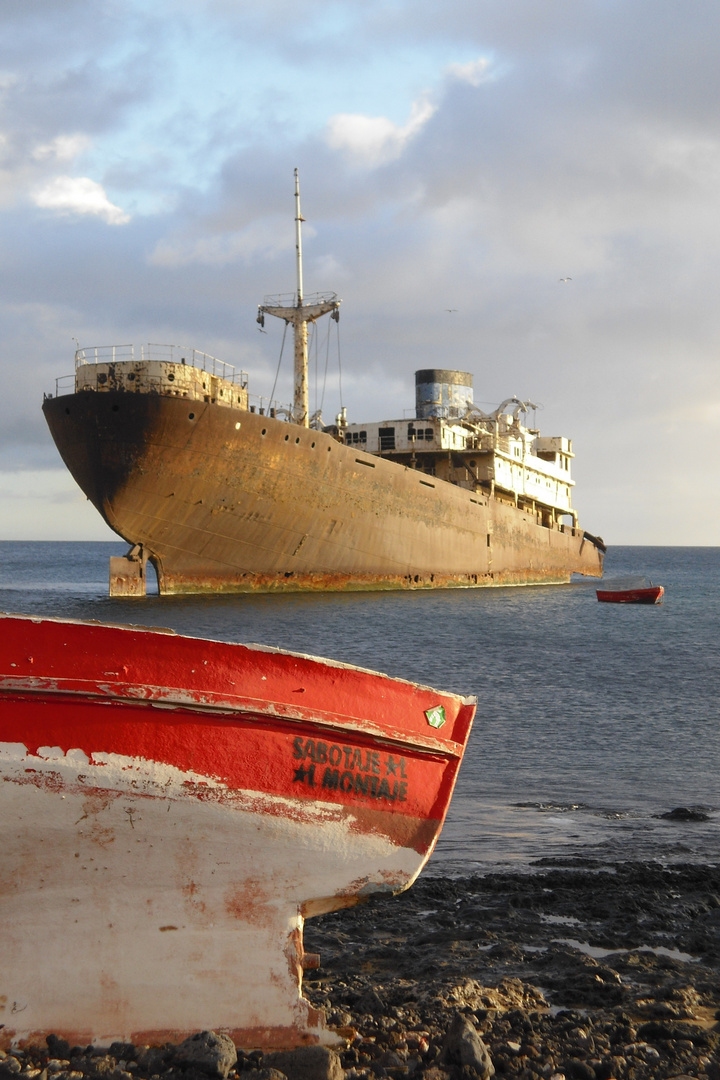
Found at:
<point>112,738</point>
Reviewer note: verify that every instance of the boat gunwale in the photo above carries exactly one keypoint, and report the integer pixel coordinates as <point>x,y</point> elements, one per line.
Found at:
<point>239,710</point>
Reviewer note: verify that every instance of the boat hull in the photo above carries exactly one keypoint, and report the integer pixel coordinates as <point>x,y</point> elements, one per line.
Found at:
<point>172,810</point>
<point>226,500</point>
<point>652,595</point>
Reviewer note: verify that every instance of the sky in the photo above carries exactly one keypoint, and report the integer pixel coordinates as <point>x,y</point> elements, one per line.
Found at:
<point>457,159</point>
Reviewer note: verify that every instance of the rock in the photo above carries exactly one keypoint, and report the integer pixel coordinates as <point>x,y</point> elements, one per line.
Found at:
<point>207,1052</point>
<point>685,813</point>
<point>306,1063</point>
<point>152,1058</point>
<point>58,1048</point>
<point>463,1046</point>
<point>578,1070</point>
<point>122,1051</point>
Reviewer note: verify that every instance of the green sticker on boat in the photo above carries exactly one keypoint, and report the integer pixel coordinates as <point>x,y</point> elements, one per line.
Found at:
<point>436,717</point>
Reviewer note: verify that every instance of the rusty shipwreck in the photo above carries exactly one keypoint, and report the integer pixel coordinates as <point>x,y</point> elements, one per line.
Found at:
<point>221,495</point>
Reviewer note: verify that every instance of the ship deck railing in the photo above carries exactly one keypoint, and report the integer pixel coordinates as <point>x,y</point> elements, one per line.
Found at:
<point>276,410</point>
<point>168,354</point>
<point>290,300</point>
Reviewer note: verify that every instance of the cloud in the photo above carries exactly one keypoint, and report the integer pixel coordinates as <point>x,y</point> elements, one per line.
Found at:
<point>376,140</point>
<point>261,239</point>
<point>62,148</point>
<point>79,195</point>
<point>474,72</point>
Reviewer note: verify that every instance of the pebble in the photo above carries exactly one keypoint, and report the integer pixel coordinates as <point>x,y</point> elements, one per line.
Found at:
<point>419,995</point>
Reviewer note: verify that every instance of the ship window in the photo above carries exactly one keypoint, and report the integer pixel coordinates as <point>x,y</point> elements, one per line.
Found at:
<point>387,438</point>
<point>348,438</point>
<point>102,377</point>
<point>297,440</point>
<point>171,377</point>
<point>286,438</point>
<point>428,433</point>
<point>191,416</point>
<point>131,376</point>
<point>264,431</point>
<point>312,444</point>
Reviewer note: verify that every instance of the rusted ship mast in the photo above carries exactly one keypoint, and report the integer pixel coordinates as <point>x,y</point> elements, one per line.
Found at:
<point>299,314</point>
<point>222,496</point>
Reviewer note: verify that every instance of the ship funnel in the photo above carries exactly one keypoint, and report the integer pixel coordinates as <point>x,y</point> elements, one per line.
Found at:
<point>441,392</point>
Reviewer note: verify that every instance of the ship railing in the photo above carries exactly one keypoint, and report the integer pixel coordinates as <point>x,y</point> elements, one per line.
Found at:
<point>64,385</point>
<point>169,354</point>
<point>104,354</point>
<point>277,410</point>
<point>178,354</point>
<point>289,300</point>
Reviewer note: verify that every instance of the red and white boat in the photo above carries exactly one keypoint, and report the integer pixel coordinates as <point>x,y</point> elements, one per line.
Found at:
<point>172,809</point>
<point>635,590</point>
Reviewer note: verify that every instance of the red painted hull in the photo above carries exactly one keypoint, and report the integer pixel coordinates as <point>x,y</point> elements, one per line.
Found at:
<point>653,595</point>
<point>171,809</point>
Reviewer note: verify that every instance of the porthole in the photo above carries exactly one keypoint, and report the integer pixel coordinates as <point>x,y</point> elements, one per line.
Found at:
<point>312,445</point>
<point>297,440</point>
<point>171,377</point>
<point>191,416</point>
<point>286,438</point>
<point>102,378</point>
<point>264,431</point>
<point>237,426</point>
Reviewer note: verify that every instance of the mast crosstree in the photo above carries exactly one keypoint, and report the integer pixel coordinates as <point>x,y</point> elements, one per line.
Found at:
<point>299,310</point>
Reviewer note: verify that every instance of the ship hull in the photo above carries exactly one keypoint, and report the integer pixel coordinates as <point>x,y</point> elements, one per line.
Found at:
<point>173,809</point>
<point>223,500</point>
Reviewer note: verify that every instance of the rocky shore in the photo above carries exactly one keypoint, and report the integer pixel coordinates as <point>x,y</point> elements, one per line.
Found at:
<point>568,969</point>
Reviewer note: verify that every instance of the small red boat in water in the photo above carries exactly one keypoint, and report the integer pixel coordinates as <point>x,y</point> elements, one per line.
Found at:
<point>630,591</point>
<point>172,809</point>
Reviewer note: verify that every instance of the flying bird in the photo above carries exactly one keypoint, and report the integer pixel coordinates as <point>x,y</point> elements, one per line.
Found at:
<point>451,309</point>
<point>565,279</point>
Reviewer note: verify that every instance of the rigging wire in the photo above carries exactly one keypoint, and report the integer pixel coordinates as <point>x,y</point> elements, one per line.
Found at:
<point>272,395</point>
<point>339,367</point>
<point>327,361</point>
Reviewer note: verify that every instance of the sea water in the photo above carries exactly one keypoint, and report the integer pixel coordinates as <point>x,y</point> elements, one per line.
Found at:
<point>593,720</point>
